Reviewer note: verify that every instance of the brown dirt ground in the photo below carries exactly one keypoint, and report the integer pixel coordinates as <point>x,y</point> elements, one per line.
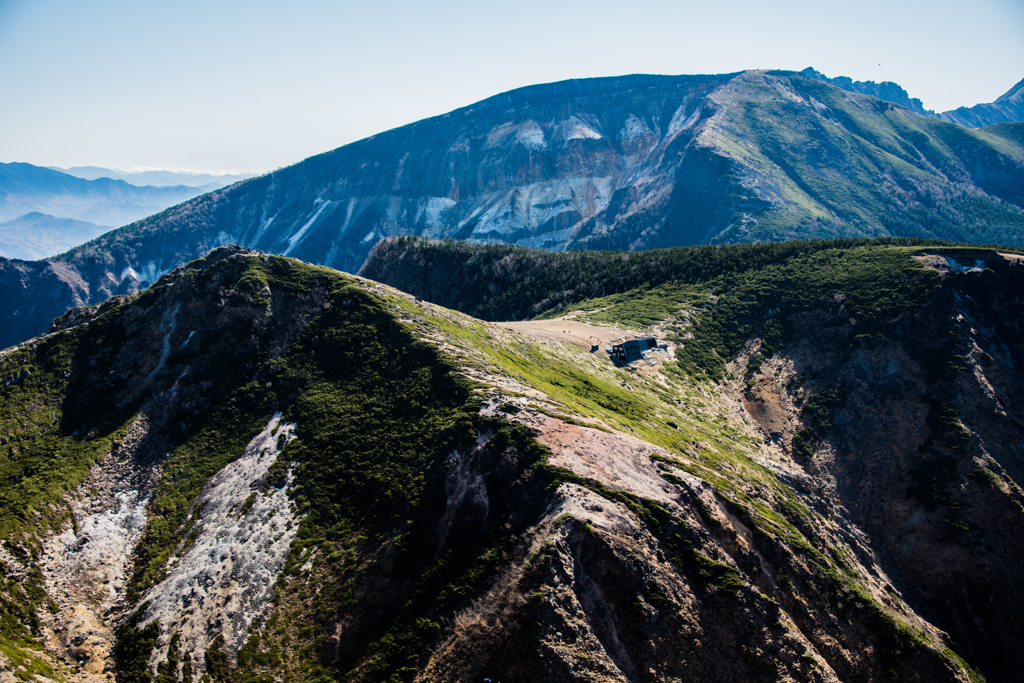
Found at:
<point>567,330</point>
<point>583,335</point>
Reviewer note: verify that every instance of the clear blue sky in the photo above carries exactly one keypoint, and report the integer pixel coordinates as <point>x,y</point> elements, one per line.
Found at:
<point>252,85</point>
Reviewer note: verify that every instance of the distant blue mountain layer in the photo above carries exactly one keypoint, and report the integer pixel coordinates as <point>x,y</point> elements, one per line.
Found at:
<point>25,188</point>
<point>206,181</point>
<point>38,235</point>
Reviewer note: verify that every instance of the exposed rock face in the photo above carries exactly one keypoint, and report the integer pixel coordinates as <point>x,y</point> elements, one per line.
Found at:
<point>632,162</point>
<point>921,488</point>
<point>87,567</point>
<point>87,570</point>
<point>222,575</point>
<point>886,90</point>
<point>940,538</point>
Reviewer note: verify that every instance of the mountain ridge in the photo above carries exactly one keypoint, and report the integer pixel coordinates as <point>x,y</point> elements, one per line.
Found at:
<point>1007,108</point>
<point>885,90</point>
<point>430,497</point>
<point>25,188</point>
<point>633,162</point>
<point>158,177</point>
<point>35,236</point>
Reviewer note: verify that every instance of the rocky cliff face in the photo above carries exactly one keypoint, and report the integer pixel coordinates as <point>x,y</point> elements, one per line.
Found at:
<point>634,162</point>
<point>258,468</point>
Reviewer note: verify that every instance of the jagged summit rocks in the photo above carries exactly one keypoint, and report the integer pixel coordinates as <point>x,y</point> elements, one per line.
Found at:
<point>1007,108</point>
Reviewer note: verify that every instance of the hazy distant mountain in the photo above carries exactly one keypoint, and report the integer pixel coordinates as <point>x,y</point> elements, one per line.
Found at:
<point>161,178</point>
<point>38,235</point>
<point>25,188</point>
<point>1008,108</point>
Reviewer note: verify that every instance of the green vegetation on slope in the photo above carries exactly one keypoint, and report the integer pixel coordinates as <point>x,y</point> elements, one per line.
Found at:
<point>378,416</point>
<point>385,420</point>
<point>872,291</point>
<point>43,456</point>
<point>503,282</point>
<point>871,284</point>
<point>853,165</point>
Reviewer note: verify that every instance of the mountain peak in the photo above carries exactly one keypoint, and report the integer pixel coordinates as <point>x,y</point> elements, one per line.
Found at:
<point>1012,93</point>
<point>623,163</point>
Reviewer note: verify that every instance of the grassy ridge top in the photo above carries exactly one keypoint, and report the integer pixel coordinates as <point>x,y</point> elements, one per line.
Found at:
<point>505,282</point>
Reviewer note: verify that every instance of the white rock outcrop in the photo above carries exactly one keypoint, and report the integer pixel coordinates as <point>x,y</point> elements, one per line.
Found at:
<point>224,579</point>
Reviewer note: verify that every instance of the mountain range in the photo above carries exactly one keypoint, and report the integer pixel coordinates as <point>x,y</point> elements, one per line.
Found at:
<point>259,469</point>
<point>34,236</point>
<point>159,177</point>
<point>223,465</point>
<point>45,212</point>
<point>25,188</point>
<point>633,162</point>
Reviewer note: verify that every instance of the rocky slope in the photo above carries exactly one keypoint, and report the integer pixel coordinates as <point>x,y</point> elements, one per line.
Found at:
<point>919,381</point>
<point>633,162</point>
<point>886,90</point>
<point>259,469</point>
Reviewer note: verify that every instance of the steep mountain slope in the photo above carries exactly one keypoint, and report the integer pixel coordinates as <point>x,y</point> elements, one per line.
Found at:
<point>25,188</point>
<point>259,469</point>
<point>754,284</point>
<point>633,162</point>
<point>35,235</point>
